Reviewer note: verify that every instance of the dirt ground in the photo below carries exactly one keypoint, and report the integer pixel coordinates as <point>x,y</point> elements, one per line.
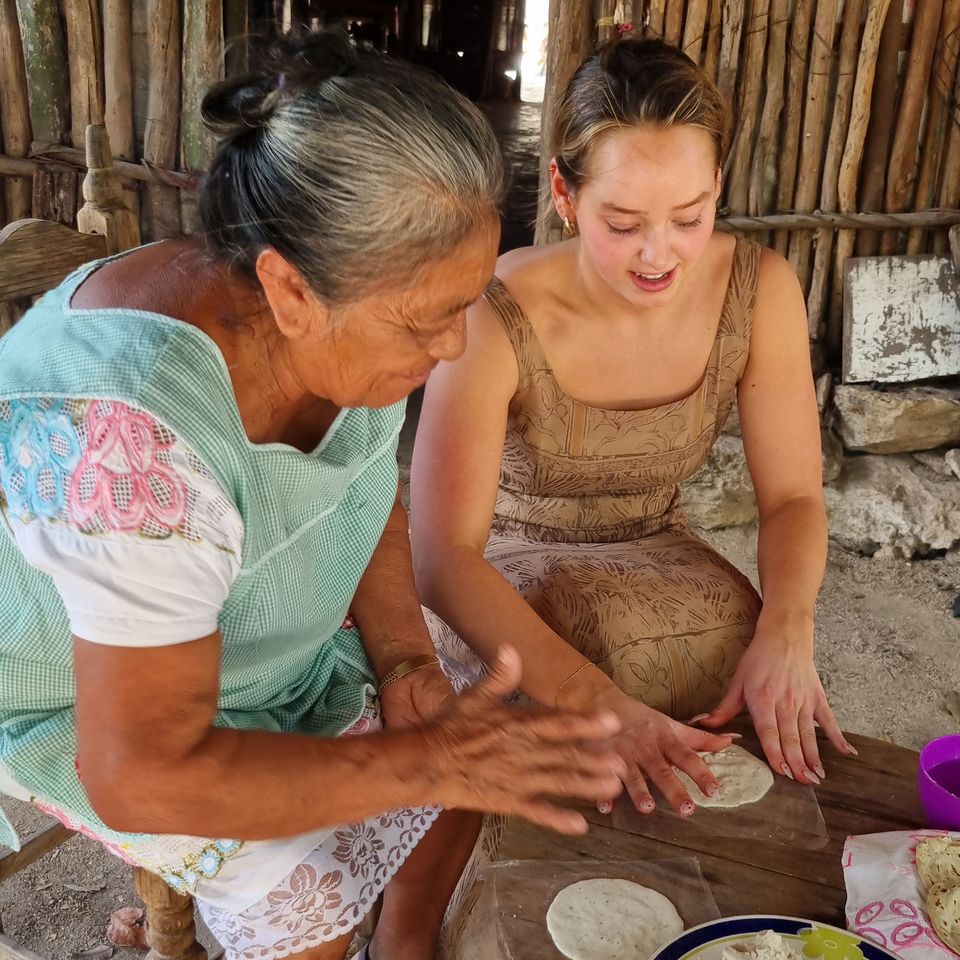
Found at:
<point>889,653</point>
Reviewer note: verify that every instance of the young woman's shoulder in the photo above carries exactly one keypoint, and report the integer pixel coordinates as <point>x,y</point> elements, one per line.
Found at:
<point>528,271</point>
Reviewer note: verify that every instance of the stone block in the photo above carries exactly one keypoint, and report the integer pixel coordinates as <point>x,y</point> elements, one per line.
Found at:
<point>952,460</point>
<point>901,319</point>
<point>896,421</point>
<point>893,504</point>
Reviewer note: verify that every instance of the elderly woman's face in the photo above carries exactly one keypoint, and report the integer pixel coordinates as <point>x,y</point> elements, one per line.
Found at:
<point>378,350</point>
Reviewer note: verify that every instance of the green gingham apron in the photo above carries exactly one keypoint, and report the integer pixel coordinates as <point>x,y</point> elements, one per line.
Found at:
<point>311,523</point>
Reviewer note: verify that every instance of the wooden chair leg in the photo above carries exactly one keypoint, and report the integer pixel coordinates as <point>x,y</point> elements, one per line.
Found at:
<point>171,931</point>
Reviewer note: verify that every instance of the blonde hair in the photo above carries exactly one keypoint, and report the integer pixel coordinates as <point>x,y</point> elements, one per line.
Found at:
<point>629,82</point>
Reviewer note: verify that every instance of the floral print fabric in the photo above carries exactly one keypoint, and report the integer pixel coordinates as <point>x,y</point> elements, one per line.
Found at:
<point>90,487</point>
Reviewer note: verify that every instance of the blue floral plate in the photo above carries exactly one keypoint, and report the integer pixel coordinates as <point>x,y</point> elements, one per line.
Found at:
<point>810,941</point>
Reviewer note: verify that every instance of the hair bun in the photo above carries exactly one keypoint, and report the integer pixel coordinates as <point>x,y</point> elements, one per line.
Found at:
<point>284,65</point>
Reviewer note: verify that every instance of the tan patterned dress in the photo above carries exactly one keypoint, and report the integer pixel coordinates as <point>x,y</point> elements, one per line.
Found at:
<point>589,527</point>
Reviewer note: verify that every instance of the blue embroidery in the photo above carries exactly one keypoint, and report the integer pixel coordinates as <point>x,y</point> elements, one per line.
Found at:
<point>39,449</point>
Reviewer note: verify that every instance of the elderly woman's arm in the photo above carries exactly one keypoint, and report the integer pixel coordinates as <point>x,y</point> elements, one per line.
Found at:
<point>387,612</point>
<point>151,760</point>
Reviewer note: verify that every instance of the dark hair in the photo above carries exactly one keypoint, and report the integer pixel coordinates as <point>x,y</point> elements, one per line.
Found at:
<point>356,168</point>
<point>628,82</point>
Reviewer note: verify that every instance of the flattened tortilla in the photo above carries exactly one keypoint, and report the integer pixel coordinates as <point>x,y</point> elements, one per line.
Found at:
<point>611,920</point>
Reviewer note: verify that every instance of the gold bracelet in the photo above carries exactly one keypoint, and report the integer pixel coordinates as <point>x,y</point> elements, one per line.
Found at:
<point>580,669</point>
<point>407,666</point>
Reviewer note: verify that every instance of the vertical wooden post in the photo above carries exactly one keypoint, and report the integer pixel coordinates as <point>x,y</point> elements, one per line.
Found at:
<point>568,42</point>
<point>673,22</point>
<point>163,107</point>
<point>903,156</point>
<point>84,55</point>
<point>695,29</point>
<point>877,146</point>
<point>949,194</point>
<point>45,62</point>
<point>846,72</point>
<point>852,156</point>
<point>118,86</point>
<point>730,36</point>
<point>657,13</point>
<point>202,65</point>
<point>171,930</point>
<point>793,101</point>
<point>236,27</point>
<point>815,122</point>
<point>105,213</point>
<point>763,177</point>
<point>942,79</point>
<point>711,62</point>
<point>738,187</point>
<point>14,110</point>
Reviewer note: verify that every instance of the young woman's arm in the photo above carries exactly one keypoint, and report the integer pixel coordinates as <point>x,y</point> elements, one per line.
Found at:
<point>456,468</point>
<point>776,679</point>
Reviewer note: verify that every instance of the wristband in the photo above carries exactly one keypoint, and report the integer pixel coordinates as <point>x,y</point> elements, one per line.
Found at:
<point>405,667</point>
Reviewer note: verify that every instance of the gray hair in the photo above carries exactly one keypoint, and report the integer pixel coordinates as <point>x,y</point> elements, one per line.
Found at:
<point>356,168</point>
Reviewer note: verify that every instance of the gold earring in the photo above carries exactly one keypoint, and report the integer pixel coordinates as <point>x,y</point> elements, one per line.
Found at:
<point>568,228</point>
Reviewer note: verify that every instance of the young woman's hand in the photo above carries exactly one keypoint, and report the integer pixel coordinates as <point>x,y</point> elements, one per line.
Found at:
<point>777,681</point>
<point>652,745</point>
<point>490,757</point>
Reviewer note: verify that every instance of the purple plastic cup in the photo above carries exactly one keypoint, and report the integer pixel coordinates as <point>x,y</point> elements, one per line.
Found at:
<point>938,778</point>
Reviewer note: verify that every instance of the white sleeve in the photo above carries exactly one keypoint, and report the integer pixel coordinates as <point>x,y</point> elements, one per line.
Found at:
<point>139,538</point>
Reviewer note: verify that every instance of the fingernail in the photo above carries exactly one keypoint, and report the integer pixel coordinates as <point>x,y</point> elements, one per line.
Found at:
<point>713,790</point>
<point>686,809</point>
<point>850,748</point>
<point>734,736</point>
<point>605,806</point>
<point>810,775</point>
<point>820,771</point>
<point>698,718</point>
<point>786,771</point>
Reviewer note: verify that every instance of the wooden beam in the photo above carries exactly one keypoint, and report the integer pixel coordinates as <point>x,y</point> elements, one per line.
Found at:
<point>163,109</point>
<point>51,836</point>
<point>815,122</point>
<point>45,60</point>
<point>14,110</point>
<point>902,175</point>
<point>876,149</point>
<point>568,43</point>
<point>843,96</point>
<point>84,49</point>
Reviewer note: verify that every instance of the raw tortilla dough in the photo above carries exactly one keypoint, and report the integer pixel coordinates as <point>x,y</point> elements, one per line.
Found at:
<point>611,920</point>
<point>938,862</point>
<point>742,777</point>
<point>943,909</point>
<point>767,945</point>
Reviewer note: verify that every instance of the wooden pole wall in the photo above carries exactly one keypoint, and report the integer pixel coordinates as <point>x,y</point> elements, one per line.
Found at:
<point>840,106</point>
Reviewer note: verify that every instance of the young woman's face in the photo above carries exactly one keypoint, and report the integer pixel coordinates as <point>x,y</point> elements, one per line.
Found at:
<point>647,209</point>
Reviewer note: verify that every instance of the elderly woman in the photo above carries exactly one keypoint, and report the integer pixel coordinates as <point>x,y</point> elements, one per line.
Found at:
<point>198,482</point>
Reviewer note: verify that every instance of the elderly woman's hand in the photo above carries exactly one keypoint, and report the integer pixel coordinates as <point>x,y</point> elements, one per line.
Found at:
<point>415,699</point>
<point>502,759</point>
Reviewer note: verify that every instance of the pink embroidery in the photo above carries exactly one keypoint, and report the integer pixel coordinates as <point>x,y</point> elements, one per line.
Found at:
<point>120,478</point>
<point>869,913</point>
<point>83,830</point>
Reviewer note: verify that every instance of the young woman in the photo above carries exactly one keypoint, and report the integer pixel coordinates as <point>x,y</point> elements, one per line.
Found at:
<point>598,374</point>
